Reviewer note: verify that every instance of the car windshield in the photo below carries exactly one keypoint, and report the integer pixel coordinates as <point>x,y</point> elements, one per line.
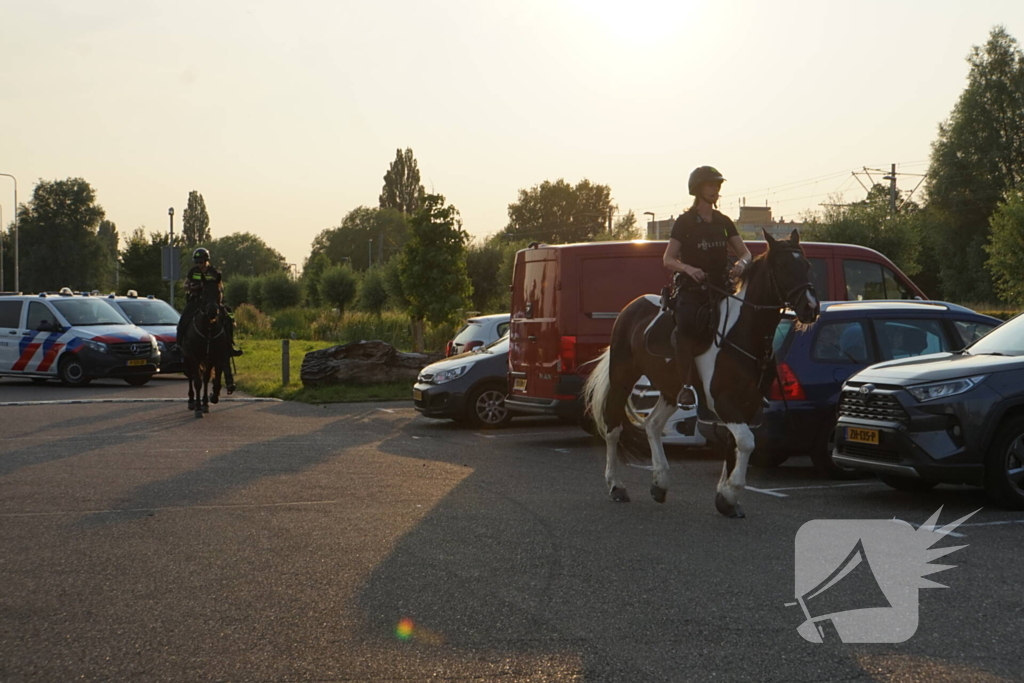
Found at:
<point>149,312</point>
<point>471,332</point>
<point>81,312</point>
<point>1006,340</point>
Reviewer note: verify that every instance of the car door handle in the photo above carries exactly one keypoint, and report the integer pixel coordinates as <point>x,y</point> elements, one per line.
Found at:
<point>532,337</point>
<point>12,332</point>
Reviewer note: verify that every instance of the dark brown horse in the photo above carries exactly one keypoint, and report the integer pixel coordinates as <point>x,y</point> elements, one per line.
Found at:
<point>205,348</point>
<point>735,367</point>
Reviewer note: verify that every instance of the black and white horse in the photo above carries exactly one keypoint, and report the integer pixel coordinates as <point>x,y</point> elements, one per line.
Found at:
<point>205,349</point>
<point>735,368</point>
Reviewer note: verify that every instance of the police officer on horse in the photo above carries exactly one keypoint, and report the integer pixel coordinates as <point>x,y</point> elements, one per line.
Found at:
<point>204,285</point>
<point>698,254</point>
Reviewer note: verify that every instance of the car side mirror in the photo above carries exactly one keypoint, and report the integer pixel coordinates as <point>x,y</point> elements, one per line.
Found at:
<point>45,326</point>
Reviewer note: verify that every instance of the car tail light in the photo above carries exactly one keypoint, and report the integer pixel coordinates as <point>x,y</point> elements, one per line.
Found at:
<point>471,345</point>
<point>567,355</point>
<point>791,389</point>
<point>449,349</point>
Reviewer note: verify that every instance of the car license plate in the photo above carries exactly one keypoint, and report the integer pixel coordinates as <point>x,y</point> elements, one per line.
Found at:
<point>519,385</point>
<point>417,395</point>
<point>862,435</point>
<point>141,361</point>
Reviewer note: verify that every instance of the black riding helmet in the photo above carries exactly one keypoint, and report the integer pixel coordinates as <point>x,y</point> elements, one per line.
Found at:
<point>201,255</point>
<point>701,175</point>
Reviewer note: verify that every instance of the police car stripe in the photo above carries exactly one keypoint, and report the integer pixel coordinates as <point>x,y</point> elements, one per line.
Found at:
<point>51,355</point>
<point>26,356</point>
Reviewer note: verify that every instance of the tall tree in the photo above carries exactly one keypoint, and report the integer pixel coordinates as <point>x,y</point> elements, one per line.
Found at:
<point>402,189</point>
<point>559,213</point>
<point>977,158</point>
<point>195,222</point>
<point>433,267</point>
<point>351,241</point>
<point>243,253</point>
<point>1006,249</point>
<point>107,237</point>
<point>58,237</point>
<point>624,228</point>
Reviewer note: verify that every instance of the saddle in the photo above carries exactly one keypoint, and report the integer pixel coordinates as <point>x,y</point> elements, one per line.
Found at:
<point>660,335</point>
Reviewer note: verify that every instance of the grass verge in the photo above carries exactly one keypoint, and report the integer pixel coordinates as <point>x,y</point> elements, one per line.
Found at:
<point>259,374</point>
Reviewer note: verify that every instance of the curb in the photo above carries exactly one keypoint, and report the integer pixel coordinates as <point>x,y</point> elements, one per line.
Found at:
<point>77,401</point>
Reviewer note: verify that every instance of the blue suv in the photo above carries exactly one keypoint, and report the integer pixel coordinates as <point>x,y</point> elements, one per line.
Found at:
<point>849,336</point>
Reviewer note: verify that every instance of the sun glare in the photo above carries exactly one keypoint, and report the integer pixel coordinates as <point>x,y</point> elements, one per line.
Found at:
<point>637,21</point>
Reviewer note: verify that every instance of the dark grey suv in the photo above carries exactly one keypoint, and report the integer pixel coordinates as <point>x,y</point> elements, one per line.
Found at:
<point>950,417</point>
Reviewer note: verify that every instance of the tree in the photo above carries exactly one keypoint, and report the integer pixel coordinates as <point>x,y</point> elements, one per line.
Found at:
<point>373,293</point>
<point>141,263</point>
<point>433,268</point>
<point>561,213</point>
<point>278,291</point>
<point>490,271</point>
<point>351,241</point>
<point>195,222</point>
<point>625,228</point>
<point>1006,249</point>
<point>402,189</point>
<point>338,286</point>
<point>106,236</point>
<point>312,270</point>
<point>977,158</point>
<point>243,253</point>
<point>58,239</point>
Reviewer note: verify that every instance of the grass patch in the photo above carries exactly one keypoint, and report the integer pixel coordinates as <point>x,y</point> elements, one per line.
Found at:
<point>259,374</point>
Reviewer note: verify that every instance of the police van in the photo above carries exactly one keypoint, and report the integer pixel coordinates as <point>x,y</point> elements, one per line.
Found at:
<point>157,317</point>
<point>72,337</point>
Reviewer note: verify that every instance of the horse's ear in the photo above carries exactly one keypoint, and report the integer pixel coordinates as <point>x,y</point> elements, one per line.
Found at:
<point>794,236</point>
<point>768,238</point>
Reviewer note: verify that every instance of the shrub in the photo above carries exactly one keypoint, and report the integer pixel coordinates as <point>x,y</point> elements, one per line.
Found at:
<point>338,287</point>
<point>236,291</point>
<point>373,295</point>
<point>279,291</point>
<point>294,321</point>
<point>249,320</point>
<point>327,326</point>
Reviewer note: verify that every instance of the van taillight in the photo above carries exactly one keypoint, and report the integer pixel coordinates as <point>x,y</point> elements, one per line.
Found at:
<point>567,355</point>
<point>790,389</point>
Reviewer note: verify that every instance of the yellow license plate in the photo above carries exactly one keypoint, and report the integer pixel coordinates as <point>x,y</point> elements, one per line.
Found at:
<point>519,385</point>
<point>417,395</point>
<point>862,435</point>
<point>141,361</point>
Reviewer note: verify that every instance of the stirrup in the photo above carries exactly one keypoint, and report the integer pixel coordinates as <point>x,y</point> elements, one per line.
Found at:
<point>686,395</point>
<point>236,352</point>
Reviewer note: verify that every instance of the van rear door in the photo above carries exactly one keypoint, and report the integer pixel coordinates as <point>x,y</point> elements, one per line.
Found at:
<point>533,352</point>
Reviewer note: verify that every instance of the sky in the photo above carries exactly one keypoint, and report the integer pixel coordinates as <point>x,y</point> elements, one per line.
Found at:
<point>286,115</point>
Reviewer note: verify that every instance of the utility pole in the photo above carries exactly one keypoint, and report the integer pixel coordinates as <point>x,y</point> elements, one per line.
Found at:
<point>892,190</point>
<point>170,243</point>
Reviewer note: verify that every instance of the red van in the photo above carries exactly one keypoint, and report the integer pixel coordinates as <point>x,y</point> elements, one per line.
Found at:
<point>566,297</point>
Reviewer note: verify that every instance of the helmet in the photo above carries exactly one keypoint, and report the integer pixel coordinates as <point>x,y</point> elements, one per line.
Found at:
<point>704,174</point>
<point>201,255</point>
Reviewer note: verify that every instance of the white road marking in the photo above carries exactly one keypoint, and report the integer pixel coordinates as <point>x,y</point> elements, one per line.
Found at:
<point>954,534</point>
<point>386,410</point>
<point>825,486</point>
<point>66,402</point>
<point>561,450</point>
<point>1004,521</point>
<point>767,492</point>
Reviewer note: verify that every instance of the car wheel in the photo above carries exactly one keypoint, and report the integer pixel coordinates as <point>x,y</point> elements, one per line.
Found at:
<point>71,372</point>
<point>138,380</point>
<point>821,458</point>
<point>763,457</point>
<point>485,408</point>
<point>908,484</point>
<point>1004,465</point>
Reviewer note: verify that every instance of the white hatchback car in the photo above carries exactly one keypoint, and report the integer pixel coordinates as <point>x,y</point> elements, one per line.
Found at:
<point>478,332</point>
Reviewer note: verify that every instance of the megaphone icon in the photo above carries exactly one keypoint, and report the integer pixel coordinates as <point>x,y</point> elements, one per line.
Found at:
<point>851,586</point>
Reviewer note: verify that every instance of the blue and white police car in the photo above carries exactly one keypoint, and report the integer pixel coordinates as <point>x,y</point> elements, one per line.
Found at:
<point>74,338</point>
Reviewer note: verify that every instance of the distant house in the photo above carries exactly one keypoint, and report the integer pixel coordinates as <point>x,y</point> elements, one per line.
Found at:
<point>752,219</point>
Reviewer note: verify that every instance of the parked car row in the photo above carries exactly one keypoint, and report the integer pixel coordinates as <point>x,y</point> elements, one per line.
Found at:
<point>77,337</point>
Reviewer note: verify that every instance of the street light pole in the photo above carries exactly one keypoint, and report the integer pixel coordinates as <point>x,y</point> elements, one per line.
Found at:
<point>1,247</point>
<point>651,214</point>
<point>17,280</point>
<point>369,255</point>
<point>170,243</point>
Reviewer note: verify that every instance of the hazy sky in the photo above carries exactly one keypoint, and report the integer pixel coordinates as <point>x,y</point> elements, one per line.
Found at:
<point>285,115</point>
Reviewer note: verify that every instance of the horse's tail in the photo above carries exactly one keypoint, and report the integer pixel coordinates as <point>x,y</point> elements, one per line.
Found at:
<point>595,392</point>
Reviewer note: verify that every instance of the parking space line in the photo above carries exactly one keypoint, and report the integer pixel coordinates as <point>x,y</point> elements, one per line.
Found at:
<point>767,492</point>
<point>823,486</point>
<point>1000,522</point>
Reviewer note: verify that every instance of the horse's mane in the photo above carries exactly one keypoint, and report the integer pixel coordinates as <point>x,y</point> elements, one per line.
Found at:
<point>755,267</point>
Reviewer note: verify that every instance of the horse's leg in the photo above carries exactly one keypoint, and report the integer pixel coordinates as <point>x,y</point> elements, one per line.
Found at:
<point>197,381</point>
<point>616,489</point>
<point>216,385</point>
<point>654,426</point>
<point>190,373</point>
<point>734,478</point>
<point>206,389</point>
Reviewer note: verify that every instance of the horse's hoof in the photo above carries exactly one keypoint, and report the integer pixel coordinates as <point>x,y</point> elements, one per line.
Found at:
<point>191,405</point>
<point>619,495</point>
<point>199,413</point>
<point>231,389</point>
<point>658,493</point>
<point>215,398</point>
<point>731,511</point>
<point>206,408</point>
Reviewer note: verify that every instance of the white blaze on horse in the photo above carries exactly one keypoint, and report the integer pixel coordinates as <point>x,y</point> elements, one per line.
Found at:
<point>735,366</point>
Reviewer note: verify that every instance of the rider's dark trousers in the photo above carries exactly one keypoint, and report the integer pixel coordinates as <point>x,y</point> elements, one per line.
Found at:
<point>689,298</point>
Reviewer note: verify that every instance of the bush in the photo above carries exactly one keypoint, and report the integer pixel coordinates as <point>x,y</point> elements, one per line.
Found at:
<point>338,286</point>
<point>1002,315</point>
<point>256,292</point>
<point>236,291</point>
<point>250,321</point>
<point>327,326</point>
<point>279,291</point>
<point>293,321</point>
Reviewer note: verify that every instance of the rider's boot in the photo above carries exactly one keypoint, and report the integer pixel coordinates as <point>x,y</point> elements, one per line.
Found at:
<point>687,398</point>
<point>229,379</point>
<point>232,351</point>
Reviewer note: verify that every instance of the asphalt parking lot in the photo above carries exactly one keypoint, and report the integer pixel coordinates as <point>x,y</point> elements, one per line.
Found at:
<point>282,542</point>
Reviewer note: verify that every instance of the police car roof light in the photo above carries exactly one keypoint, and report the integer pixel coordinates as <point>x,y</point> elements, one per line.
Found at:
<point>66,291</point>
<point>132,294</point>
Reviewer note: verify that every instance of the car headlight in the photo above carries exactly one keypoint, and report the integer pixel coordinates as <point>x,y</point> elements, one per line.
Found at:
<point>449,375</point>
<point>161,347</point>
<point>95,345</point>
<point>936,390</point>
